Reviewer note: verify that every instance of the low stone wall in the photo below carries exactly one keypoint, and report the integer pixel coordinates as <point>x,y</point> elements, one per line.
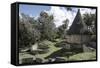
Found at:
<point>78,39</point>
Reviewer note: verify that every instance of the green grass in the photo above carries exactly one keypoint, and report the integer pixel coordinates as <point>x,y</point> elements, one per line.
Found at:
<point>83,56</point>
<point>24,56</point>
<point>52,49</point>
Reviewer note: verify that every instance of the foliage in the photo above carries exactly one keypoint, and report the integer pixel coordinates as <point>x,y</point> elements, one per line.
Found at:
<point>28,31</point>
<point>51,40</point>
<point>47,26</point>
<point>62,30</point>
<point>90,21</point>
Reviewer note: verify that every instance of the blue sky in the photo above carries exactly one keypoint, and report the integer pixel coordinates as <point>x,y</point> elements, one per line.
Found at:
<point>32,10</point>
<point>60,13</point>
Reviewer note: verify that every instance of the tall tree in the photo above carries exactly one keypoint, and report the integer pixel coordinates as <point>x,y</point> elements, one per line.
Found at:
<point>28,31</point>
<point>62,30</point>
<point>47,26</point>
<point>90,20</point>
<point>66,22</point>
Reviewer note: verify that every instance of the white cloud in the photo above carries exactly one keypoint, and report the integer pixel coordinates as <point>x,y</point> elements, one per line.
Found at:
<point>36,17</point>
<point>20,15</point>
<point>30,15</point>
<point>61,14</point>
<point>87,10</point>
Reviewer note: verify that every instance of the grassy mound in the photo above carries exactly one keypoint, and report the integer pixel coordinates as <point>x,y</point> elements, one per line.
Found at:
<point>83,56</point>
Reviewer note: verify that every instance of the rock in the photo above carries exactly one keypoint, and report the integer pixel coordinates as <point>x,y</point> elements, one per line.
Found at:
<point>60,53</point>
<point>34,47</point>
<point>43,51</point>
<point>59,59</point>
<point>39,60</point>
<point>92,44</point>
<point>76,48</point>
<point>51,59</point>
<point>34,52</point>
<point>63,44</point>
<point>27,61</point>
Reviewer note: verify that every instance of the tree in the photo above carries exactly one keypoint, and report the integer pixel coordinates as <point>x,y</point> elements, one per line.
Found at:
<point>62,30</point>
<point>65,27</point>
<point>24,36</point>
<point>47,26</point>
<point>69,8</point>
<point>90,20</point>
<point>28,31</point>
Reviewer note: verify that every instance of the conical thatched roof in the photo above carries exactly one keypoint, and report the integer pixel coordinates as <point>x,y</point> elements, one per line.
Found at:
<point>78,26</point>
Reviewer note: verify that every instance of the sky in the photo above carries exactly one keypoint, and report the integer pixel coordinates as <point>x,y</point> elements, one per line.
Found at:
<point>60,13</point>
<point>32,10</point>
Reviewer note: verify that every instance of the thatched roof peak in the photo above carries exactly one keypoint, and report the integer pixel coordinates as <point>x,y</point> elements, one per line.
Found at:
<point>78,26</point>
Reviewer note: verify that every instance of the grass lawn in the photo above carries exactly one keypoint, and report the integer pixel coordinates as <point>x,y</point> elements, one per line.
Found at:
<point>52,49</point>
<point>83,56</point>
